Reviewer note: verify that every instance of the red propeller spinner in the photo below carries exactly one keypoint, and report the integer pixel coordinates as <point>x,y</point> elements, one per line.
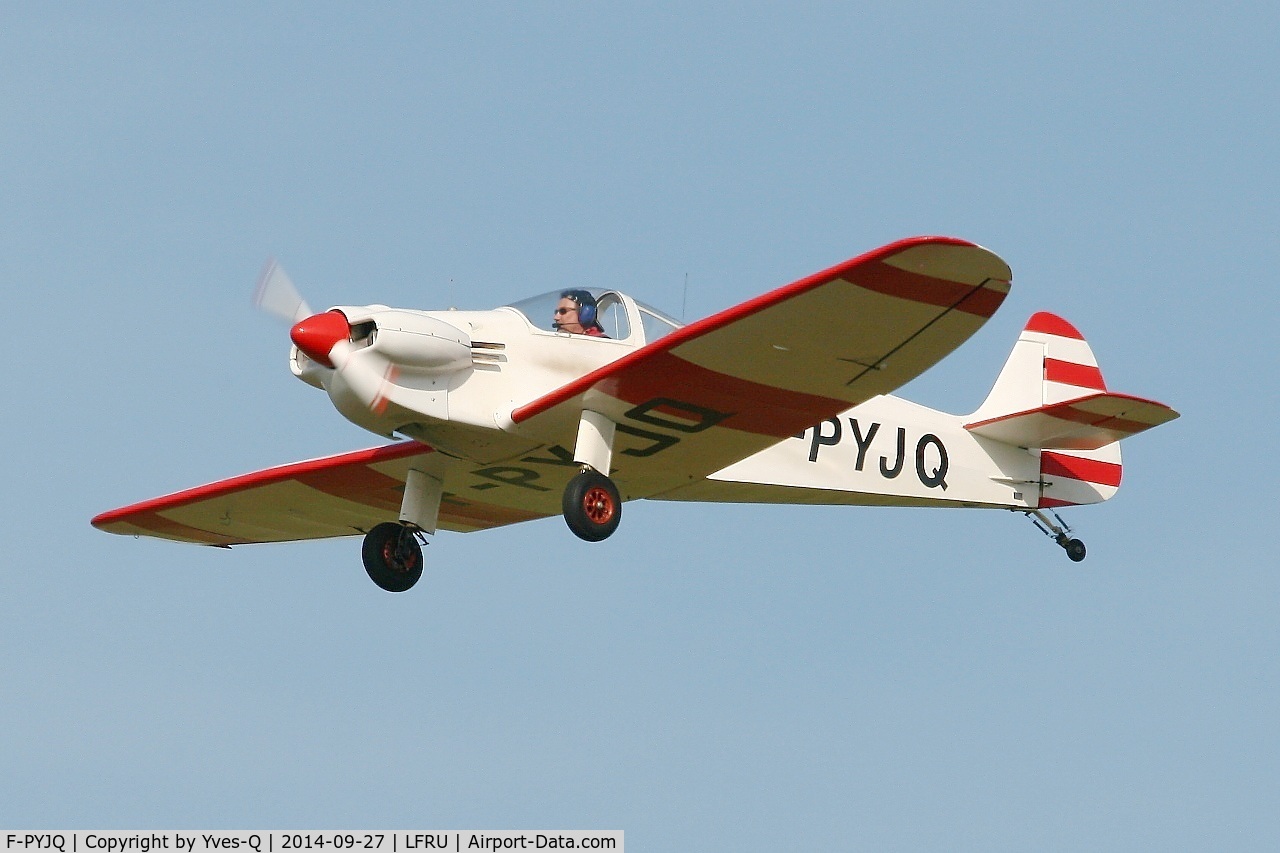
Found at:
<point>317,335</point>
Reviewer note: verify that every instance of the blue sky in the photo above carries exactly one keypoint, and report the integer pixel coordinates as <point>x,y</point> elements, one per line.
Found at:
<point>746,678</point>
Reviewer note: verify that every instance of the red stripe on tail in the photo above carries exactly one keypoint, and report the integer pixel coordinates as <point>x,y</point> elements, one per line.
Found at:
<point>1077,468</point>
<point>1051,324</point>
<point>1070,373</point>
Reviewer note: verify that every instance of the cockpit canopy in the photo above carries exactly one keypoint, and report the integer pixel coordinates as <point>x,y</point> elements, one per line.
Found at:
<point>616,313</point>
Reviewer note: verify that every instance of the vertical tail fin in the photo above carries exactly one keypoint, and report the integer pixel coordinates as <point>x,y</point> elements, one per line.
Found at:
<point>1051,363</point>
<point>1050,398</point>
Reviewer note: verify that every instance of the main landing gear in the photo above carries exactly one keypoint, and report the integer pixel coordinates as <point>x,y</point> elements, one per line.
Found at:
<point>1059,533</point>
<point>392,556</point>
<point>392,550</point>
<point>592,506</point>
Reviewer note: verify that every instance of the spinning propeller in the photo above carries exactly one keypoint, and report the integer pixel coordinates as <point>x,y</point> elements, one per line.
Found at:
<point>315,335</point>
<point>369,357</point>
<point>276,294</point>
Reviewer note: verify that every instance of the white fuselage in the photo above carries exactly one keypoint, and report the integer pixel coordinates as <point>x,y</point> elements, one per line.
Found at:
<point>407,376</point>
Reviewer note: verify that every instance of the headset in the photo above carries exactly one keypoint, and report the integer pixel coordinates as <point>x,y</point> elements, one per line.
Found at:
<point>586,306</point>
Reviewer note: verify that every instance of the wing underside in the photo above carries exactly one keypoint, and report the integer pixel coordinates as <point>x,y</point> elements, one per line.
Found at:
<point>341,495</point>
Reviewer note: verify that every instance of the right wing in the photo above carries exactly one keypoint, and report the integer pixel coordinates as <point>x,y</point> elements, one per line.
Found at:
<point>728,386</point>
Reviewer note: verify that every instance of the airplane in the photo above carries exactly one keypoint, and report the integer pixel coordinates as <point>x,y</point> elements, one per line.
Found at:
<point>514,414</point>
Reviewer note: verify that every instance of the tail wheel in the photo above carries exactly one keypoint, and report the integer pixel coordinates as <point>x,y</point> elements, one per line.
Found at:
<point>1059,533</point>
<point>392,556</point>
<point>592,506</point>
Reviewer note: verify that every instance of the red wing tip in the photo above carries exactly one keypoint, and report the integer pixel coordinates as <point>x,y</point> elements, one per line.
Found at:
<point>104,521</point>
<point>932,238</point>
<point>1051,324</point>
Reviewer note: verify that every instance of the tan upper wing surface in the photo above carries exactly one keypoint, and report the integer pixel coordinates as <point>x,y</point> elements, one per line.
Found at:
<point>728,386</point>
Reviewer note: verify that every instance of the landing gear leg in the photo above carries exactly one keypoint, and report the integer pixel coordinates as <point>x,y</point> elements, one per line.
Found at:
<point>1059,533</point>
<point>392,551</point>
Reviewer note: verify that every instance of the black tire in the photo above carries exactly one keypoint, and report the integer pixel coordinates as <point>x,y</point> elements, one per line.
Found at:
<point>1075,550</point>
<point>592,506</point>
<point>392,557</point>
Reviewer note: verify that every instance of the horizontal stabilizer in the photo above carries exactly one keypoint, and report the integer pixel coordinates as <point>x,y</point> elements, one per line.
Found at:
<point>1085,423</point>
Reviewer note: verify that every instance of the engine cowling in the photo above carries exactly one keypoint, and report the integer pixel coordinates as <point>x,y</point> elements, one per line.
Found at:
<point>419,343</point>
<point>381,366</point>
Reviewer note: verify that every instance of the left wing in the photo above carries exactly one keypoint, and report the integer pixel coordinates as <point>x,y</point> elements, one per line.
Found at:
<point>341,495</point>
<point>728,386</point>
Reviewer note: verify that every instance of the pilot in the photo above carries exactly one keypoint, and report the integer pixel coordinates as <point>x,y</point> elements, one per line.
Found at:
<point>576,314</point>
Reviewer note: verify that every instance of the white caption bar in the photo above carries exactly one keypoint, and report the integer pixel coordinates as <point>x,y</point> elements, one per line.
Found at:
<point>308,841</point>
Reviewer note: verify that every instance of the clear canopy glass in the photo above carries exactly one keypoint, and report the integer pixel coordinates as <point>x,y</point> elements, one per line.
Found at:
<point>540,312</point>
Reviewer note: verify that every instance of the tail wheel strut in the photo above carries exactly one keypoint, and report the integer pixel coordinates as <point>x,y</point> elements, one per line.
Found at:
<point>1059,533</point>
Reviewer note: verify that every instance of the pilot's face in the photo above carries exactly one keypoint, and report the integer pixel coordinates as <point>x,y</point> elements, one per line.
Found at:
<point>566,317</point>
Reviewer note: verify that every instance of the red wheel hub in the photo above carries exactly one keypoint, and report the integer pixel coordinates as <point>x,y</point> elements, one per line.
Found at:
<point>392,561</point>
<point>597,503</point>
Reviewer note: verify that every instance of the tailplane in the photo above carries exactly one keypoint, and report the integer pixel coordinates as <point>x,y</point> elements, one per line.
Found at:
<point>1050,397</point>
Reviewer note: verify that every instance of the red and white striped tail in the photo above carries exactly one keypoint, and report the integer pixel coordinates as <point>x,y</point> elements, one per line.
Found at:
<point>1070,368</point>
<point>1080,476</point>
<point>1051,399</point>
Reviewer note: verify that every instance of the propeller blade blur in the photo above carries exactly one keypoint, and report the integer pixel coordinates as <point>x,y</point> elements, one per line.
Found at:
<point>277,295</point>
